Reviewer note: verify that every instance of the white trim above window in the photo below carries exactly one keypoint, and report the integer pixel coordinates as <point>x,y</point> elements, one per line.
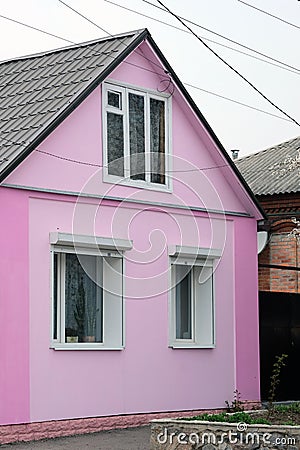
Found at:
<point>191,300</point>
<point>95,242</point>
<point>136,136</point>
<point>87,292</point>
<point>194,252</point>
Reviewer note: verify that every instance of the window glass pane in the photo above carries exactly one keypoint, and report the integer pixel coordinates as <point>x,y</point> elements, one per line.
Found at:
<point>157,140</point>
<point>115,144</point>
<point>137,136</point>
<point>55,281</point>
<point>83,299</point>
<point>183,303</point>
<point>114,99</point>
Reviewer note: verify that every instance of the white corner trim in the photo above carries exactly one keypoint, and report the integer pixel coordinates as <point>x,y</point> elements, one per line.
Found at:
<point>69,239</point>
<point>194,252</point>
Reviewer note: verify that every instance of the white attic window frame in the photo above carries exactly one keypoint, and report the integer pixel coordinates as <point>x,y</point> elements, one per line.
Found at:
<point>125,89</point>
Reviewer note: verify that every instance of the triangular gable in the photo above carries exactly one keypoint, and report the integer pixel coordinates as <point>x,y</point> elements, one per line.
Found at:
<point>19,145</point>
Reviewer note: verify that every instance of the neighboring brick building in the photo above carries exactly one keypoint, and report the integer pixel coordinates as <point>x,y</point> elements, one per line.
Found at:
<point>273,175</point>
<point>282,250</point>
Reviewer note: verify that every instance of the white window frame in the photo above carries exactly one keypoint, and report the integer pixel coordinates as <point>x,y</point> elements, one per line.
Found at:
<point>113,324</point>
<point>203,333</point>
<point>124,89</point>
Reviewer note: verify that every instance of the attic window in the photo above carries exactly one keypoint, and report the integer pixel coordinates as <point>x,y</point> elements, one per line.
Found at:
<point>135,136</point>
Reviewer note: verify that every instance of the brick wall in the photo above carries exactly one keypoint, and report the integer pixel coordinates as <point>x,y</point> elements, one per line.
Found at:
<point>282,250</point>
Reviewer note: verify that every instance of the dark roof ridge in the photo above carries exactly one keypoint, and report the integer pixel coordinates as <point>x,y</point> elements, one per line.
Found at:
<point>72,46</point>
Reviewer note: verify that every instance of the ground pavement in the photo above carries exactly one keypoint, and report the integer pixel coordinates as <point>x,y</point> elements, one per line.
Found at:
<point>126,439</point>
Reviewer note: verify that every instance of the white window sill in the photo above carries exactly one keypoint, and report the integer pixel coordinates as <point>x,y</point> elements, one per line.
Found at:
<point>191,346</point>
<point>82,346</point>
<point>111,179</point>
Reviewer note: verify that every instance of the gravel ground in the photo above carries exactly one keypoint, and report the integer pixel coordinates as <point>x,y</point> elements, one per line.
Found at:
<point>126,439</point>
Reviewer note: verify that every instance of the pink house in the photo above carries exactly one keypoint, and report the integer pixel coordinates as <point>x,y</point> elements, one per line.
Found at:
<point>128,255</point>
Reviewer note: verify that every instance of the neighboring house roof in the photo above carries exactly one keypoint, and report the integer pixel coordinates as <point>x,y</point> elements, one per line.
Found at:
<point>274,170</point>
<point>38,92</point>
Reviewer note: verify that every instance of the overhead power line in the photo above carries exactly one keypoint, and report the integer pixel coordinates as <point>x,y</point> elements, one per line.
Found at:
<point>204,38</point>
<point>108,33</point>
<point>187,84</point>
<point>36,29</point>
<point>237,102</point>
<point>230,66</point>
<point>226,38</point>
<point>101,166</point>
<point>152,71</point>
<point>269,14</point>
<point>86,18</point>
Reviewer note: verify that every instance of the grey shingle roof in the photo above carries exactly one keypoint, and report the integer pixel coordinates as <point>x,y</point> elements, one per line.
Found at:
<point>275,170</point>
<point>36,90</point>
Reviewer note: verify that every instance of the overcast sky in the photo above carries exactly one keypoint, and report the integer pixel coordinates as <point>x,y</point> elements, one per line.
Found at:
<point>237,127</point>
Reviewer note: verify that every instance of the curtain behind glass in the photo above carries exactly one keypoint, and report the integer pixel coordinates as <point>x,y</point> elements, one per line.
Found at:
<point>115,144</point>
<point>157,140</point>
<point>137,136</point>
<point>83,300</point>
<point>183,303</point>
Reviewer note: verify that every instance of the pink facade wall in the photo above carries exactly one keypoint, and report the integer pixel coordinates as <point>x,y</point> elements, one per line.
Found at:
<point>147,375</point>
<point>14,308</point>
<point>247,331</point>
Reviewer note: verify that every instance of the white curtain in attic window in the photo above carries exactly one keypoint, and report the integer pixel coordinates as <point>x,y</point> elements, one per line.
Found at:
<point>137,136</point>
<point>157,140</point>
<point>115,144</point>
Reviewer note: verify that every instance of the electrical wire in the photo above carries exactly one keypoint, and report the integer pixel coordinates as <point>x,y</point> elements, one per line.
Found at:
<point>36,29</point>
<point>237,102</point>
<point>76,161</point>
<point>230,66</point>
<point>204,38</point>
<point>226,38</point>
<point>100,166</point>
<point>111,35</point>
<point>89,20</point>
<point>143,68</point>
<point>187,84</point>
<point>269,14</point>
<point>282,66</point>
